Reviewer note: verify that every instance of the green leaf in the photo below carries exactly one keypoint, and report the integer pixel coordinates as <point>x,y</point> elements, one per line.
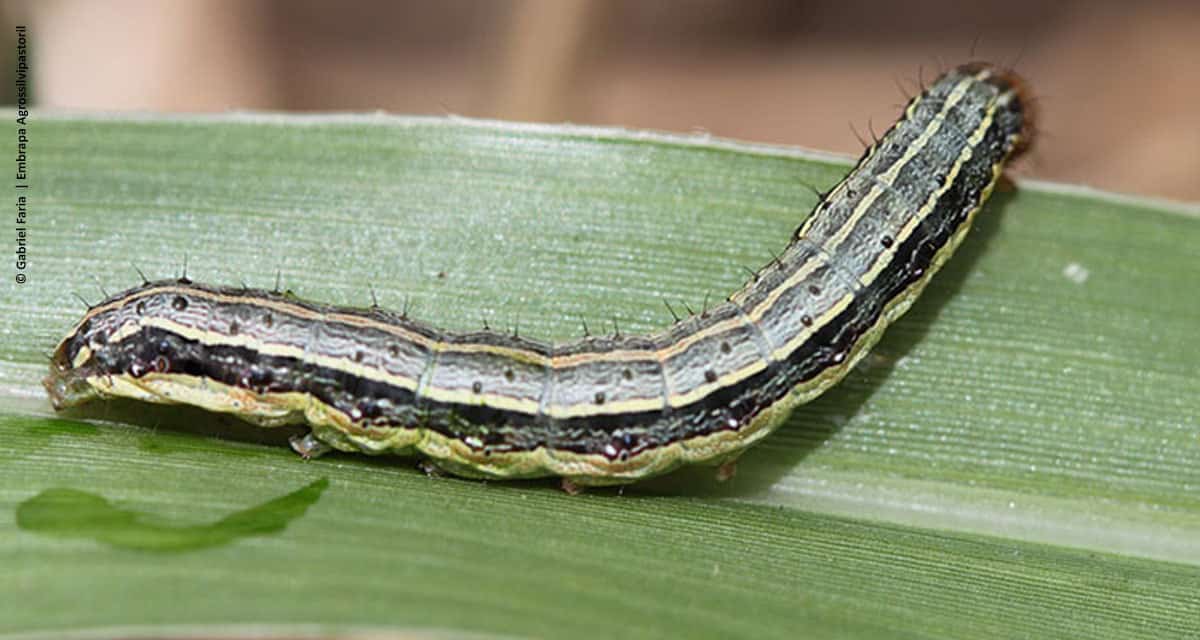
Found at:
<point>1020,457</point>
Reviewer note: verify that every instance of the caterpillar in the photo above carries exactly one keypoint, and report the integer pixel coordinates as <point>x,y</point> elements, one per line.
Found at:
<point>599,410</point>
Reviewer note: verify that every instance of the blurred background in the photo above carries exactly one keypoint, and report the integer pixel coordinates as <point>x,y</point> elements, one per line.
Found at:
<point>1117,83</point>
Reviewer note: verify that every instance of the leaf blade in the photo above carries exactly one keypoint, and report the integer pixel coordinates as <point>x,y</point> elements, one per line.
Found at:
<point>865,516</point>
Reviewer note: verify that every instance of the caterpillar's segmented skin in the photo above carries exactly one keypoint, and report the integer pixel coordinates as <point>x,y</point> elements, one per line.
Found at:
<point>599,410</point>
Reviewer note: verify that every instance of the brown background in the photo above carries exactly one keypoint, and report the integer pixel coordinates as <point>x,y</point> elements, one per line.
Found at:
<point>1118,83</point>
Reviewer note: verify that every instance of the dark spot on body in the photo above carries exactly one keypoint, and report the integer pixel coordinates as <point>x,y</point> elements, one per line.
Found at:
<point>627,374</point>
<point>140,308</point>
<point>179,303</point>
<point>234,328</point>
<point>814,289</point>
<point>255,378</point>
<point>509,375</point>
<point>358,356</point>
<point>710,375</point>
<point>369,408</point>
<point>477,386</point>
<point>807,320</point>
<point>725,348</point>
<point>599,397</point>
<point>886,241</point>
<point>394,351</point>
<point>268,320</point>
